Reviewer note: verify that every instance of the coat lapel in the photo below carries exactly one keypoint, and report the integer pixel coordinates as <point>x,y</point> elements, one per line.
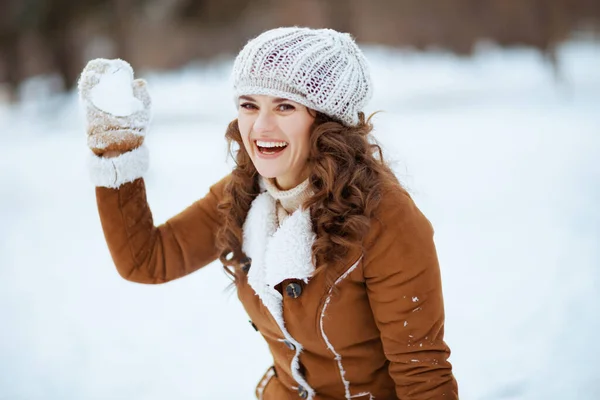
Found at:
<point>277,253</point>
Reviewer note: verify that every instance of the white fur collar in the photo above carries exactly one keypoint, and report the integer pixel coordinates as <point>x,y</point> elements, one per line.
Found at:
<point>278,253</point>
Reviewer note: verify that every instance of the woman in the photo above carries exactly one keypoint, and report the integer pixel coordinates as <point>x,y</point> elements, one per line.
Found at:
<point>332,260</point>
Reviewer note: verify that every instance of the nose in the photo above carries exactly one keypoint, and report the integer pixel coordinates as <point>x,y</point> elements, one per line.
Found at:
<point>264,123</point>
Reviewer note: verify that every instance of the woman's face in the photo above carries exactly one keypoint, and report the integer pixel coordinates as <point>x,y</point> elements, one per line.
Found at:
<point>275,133</point>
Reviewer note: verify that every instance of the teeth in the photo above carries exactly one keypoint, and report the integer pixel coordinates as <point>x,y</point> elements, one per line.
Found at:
<point>261,143</point>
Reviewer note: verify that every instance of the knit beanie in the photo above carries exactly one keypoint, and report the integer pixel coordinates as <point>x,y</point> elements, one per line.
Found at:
<point>321,69</point>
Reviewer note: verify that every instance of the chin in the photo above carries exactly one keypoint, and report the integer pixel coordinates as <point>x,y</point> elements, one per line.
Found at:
<point>270,170</point>
<point>268,174</point>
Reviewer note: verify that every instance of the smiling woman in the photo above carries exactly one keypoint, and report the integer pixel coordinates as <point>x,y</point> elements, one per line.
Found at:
<point>332,260</point>
<point>276,133</point>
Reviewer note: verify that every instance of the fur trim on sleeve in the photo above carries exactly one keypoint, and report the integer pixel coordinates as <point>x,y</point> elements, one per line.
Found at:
<point>113,172</point>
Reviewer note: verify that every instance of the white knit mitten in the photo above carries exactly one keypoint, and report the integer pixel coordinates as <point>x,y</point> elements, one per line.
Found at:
<point>118,112</point>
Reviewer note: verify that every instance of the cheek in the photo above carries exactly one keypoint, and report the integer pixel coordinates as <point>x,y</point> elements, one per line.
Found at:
<point>300,139</point>
<point>303,147</point>
<point>244,128</point>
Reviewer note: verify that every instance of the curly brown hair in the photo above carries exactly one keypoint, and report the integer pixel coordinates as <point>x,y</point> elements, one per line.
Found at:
<point>347,175</point>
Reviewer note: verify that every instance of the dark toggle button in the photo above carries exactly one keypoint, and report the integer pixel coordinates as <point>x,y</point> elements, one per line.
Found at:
<point>303,393</point>
<point>294,290</point>
<point>253,325</point>
<point>289,345</point>
<point>245,264</point>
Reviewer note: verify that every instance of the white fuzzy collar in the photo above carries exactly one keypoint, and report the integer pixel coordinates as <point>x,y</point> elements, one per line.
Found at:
<point>278,253</point>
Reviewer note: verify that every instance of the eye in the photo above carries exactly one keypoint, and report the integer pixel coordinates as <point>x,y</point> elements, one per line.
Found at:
<point>285,107</point>
<point>248,106</point>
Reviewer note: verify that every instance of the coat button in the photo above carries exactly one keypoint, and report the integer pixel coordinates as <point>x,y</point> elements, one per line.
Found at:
<point>294,290</point>
<point>289,345</point>
<point>303,393</point>
<point>246,263</point>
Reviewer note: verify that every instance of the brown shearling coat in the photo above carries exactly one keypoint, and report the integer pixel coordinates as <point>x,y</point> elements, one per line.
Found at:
<point>374,332</point>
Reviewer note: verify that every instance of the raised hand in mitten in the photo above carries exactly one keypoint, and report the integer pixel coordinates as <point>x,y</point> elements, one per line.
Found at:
<point>117,107</point>
<point>118,112</point>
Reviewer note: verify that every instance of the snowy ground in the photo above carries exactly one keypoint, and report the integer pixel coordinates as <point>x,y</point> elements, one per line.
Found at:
<point>504,160</point>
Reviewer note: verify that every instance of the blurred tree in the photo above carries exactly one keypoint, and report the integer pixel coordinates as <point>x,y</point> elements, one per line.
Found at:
<point>213,13</point>
<point>177,31</point>
<point>15,18</point>
<point>57,21</point>
<point>122,12</point>
<point>340,14</point>
<point>53,22</point>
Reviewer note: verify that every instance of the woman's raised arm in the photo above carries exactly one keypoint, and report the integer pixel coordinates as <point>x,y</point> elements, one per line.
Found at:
<point>118,113</point>
<point>148,254</point>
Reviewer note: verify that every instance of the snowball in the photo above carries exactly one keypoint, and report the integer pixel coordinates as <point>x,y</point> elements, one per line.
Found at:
<point>114,93</point>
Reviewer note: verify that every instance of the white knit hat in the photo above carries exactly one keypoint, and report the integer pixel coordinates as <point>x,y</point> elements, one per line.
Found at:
<point>321,69</point>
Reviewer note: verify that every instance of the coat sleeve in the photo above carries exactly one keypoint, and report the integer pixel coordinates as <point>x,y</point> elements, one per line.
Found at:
<point>404,287</point>
<point>147,254</point>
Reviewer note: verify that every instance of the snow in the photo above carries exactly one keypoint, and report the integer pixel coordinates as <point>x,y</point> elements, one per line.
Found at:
<point>114,92</point>
<point>500,156</point>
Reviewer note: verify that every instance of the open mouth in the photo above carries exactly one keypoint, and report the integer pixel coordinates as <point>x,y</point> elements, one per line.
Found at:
<point>270,148</point>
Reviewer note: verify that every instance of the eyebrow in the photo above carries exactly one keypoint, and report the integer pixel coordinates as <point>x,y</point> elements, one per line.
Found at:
<point>276,100</point>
